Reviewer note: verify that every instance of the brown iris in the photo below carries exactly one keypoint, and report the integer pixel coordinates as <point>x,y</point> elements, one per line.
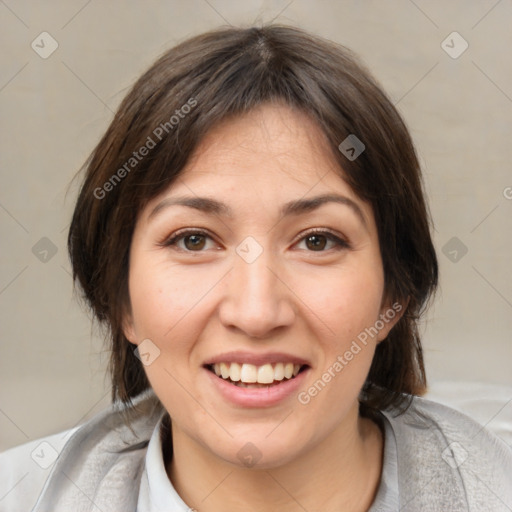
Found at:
<point>316,242</point>
<point>194,242</point>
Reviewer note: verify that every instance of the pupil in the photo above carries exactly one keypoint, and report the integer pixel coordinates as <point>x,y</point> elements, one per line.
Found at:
<point>194,241</point>
<point>316,242</point>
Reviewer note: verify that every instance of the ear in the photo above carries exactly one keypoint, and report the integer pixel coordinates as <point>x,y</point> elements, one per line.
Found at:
<point>128,327</point>
<point>389,315</point>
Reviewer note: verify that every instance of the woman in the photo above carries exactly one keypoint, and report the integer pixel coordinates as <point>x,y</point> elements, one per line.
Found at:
<point>253,233</point>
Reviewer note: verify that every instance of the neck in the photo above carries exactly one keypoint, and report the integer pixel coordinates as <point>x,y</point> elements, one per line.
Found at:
<point>342,472</point>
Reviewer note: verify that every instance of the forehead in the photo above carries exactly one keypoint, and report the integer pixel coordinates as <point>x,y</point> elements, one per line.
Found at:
<point>261,160</point>
<point>270,138</point>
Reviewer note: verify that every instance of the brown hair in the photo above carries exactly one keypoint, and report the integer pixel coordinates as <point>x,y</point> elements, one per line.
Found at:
<point>228,72</point>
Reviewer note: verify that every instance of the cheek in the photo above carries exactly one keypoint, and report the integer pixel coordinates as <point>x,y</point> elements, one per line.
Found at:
<point>167,309</point>
<point>171,306</point>
<point>346,300</point>
<point>349,305</point>
<point>161,297</point>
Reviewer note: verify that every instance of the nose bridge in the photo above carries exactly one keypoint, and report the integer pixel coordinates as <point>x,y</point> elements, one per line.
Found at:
<point>256,278</point>
<point>254,284</point>
<point>257,301</point>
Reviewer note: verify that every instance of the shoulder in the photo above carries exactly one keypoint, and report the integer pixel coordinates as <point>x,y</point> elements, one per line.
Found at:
<point>60,471</point>
<point>24,470</point>
<point>446,459</point>
<point>488,403</point>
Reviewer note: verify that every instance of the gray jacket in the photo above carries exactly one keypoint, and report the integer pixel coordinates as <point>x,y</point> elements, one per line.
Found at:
<point>435,460</point>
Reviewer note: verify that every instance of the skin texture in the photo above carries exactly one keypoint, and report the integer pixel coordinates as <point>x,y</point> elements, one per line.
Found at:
<point>198,301</point>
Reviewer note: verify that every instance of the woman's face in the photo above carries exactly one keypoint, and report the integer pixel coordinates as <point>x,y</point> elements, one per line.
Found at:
<point>259,261</point>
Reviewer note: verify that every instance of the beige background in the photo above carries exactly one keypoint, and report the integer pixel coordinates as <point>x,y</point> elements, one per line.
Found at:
<point>55,109</point>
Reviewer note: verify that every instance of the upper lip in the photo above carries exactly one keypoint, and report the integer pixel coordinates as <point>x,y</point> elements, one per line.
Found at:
<point>256,359</point>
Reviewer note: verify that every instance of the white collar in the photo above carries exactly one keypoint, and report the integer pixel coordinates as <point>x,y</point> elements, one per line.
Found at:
<point>157,494</point>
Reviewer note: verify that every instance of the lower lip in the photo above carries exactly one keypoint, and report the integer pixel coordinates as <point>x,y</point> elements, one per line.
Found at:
<point>257,397</point>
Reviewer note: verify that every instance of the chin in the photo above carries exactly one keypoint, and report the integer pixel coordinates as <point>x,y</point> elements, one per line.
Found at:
<point>259,451</point>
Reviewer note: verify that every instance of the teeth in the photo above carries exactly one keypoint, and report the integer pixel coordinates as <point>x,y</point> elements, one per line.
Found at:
<point>254,375</point>
<point>249,373</point>
<point>234,372</point>
<point>224,370</point>
<point>266,374</point>
<point>279,371</point>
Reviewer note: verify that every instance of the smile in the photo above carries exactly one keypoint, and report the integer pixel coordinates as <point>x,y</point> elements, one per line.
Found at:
<point>251,376</point>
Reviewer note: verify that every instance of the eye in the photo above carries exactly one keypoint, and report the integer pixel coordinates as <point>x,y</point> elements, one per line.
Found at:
<point>190,240</point>
<point>321,241</point>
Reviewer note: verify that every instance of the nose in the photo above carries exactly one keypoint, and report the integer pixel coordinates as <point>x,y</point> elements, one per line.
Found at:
<point>258,301</point>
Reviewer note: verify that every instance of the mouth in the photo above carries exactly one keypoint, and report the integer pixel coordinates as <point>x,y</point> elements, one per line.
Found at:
<point>246,375</point>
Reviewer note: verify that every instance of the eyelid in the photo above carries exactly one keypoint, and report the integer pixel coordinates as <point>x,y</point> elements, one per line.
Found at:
<point>338,239</point>
<point>182,233</point>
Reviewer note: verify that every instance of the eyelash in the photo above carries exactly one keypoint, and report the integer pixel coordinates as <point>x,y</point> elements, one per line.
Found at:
<point>181,234</point>
<point>331,237</point>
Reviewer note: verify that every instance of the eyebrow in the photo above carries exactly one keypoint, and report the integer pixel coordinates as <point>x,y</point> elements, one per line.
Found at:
<point>301,206</point>
<point>204,204</point>
<point>296,207</point>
